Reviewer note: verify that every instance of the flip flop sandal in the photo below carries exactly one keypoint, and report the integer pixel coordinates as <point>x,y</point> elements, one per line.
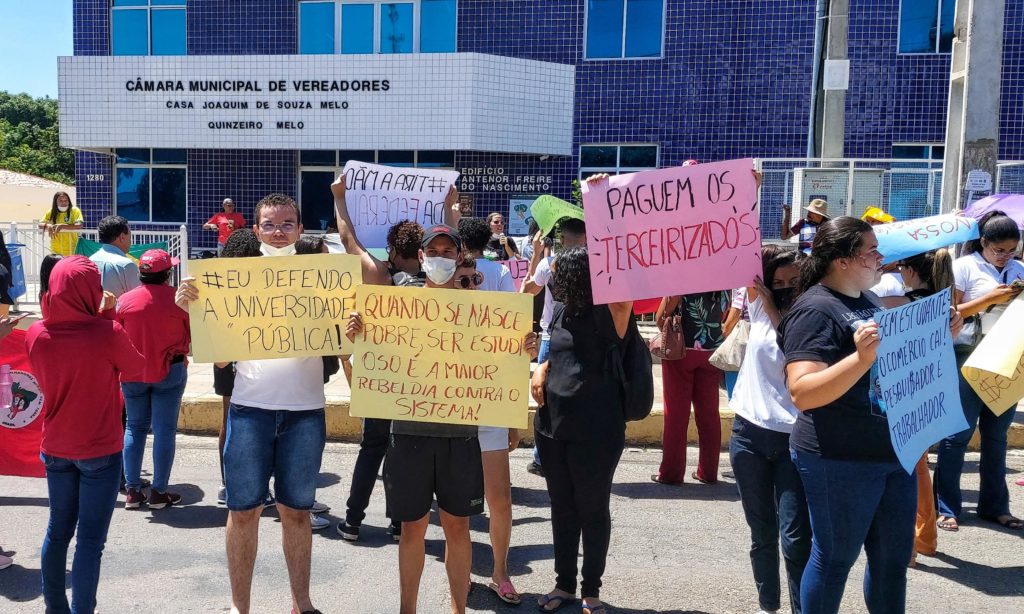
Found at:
<point>562,602</point>
<point>595,609</point>
<point>949,524</point>
<point>702,480</point>
<point>506,592</point>
<point>1014,524</point>
<point>656,478</point>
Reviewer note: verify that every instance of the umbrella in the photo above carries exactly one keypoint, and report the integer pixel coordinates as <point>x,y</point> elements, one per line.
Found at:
<point>1010,204</point>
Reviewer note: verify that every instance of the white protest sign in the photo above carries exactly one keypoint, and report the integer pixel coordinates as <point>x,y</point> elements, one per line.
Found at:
<point>378,197</point>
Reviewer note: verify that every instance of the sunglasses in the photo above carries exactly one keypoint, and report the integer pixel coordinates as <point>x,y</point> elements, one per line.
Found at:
<point>465,281</point>
<point>287,227</point>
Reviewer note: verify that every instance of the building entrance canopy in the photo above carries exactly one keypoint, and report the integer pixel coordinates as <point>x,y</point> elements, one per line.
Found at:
<point>450,101</point>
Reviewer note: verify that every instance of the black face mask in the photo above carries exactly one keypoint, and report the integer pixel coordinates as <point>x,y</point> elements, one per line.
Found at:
<point>783,298</point>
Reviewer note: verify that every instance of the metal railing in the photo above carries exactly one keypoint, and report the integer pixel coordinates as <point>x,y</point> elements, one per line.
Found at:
<point>37,245</point>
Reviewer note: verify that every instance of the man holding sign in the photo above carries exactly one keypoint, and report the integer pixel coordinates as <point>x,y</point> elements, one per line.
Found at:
<point>275,427</point>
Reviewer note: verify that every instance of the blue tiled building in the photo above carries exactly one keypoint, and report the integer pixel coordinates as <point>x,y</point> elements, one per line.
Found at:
<point>656,82</point>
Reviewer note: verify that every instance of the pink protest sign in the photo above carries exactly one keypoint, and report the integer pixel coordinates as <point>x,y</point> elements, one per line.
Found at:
<point>519,267</point>
<point>673,231</point>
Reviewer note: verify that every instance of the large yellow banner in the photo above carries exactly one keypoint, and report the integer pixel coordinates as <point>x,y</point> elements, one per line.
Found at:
<point>450,356</point>
<point>995,370</point>
<point>280,307</point>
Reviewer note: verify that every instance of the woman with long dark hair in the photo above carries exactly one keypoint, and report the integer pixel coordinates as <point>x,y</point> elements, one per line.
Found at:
<point>985,283</point>
<point>580,427</point>
<point>62,222</point>
<point>768,482</point>
<point>858,494</point>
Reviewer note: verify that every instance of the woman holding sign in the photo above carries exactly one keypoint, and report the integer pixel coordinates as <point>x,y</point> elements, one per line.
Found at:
<point>857,492</point>
<point>580,428</point>
<point>986,280</point>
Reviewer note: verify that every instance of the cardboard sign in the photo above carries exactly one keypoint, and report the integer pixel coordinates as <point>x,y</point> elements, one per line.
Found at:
<point>673,231</point>
<point>900,240</point>
<point>917,376</point>
<point>518,267</point>
<point>449,356</point>
<point>280,307</point>
<point>995,370</point>
<point>378,197</point>
<point>547,210</point>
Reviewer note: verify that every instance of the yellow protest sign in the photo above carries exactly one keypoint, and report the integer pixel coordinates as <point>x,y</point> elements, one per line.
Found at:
<point>281,307</point>
<point>995,370</point>
<point>449,356</point>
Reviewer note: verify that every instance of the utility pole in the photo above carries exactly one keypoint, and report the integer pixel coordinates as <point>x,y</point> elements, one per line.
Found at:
<point>972,124</point>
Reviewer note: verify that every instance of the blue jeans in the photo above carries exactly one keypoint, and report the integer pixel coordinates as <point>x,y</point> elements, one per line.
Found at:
<point>774,504</point>
<point>152,405</point>
<point>855,503</point>
<point>82,494</point>
<point>263,442</point>
<point>993,497</point>
<point>542,357</point>
<point>730,382</point>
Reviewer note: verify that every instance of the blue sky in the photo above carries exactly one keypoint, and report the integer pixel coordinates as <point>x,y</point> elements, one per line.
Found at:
<point>32,34</point>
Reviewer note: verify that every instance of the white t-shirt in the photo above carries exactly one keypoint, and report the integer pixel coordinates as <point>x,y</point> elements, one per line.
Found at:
<point>761,395</point>
<point>976,277</point>
<point>541,277</point>
<point>890,285</point>
<point>295,384</point>
<point>497,277</point>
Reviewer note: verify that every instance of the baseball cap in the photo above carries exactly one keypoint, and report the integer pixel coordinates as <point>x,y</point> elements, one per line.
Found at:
<point>156,261</point>
<point>690,163</point>
<point>441,230</point>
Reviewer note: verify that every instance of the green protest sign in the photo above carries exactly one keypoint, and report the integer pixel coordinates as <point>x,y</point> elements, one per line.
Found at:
<point>547,210</point>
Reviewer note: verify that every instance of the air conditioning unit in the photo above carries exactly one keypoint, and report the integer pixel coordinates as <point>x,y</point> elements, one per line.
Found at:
<point>833,186</point>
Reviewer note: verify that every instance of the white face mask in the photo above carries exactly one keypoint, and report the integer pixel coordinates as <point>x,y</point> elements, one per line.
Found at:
<point>269,250</point>
<point>63,208</point>
<point>439,270</point>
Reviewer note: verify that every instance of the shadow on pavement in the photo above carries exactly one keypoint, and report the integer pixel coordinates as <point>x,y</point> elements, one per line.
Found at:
<point>531,497</point>
<point>188,516</point>
<point>327,479</point>
<point>19,501</point>
<point>722,491</point>
<point>19,583</point>
<point>994,581</point>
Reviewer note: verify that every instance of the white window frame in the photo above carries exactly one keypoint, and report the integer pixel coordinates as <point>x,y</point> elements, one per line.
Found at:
<point>618,169</point>
<point>149,8</point>
<point>938,30</point>
<point>151,165</point>
<point>377,4</point>
<point>624,57</point>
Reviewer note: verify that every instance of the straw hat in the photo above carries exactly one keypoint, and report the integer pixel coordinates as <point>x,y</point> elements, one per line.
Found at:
<point>820,207</point>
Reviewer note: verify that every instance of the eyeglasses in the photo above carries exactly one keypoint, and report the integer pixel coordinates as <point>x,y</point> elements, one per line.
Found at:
<point>465,281</point>
<point>1002,253</point>
<point>268,228</point>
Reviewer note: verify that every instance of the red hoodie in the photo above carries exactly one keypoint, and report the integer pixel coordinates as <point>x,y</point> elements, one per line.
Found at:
<point>77,356</point>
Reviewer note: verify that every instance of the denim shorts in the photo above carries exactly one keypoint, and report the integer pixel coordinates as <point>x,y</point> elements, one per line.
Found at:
<point>261,443</point>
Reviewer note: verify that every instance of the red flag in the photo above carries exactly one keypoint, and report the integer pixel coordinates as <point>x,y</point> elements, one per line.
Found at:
<point>21,426</point>
<point>649,305</point>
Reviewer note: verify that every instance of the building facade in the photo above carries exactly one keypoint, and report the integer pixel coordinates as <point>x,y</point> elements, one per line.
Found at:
<point>521,96</point>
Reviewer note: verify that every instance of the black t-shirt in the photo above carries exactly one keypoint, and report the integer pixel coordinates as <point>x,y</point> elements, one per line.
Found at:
<point>401,278</point>
<point>496,251</point>
<point>820,328</point>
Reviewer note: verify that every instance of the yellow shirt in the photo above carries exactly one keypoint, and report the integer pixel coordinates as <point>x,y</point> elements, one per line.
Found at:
<point>64,243</point>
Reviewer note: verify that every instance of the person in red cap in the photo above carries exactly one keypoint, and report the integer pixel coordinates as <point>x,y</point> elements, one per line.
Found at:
<point>159,329</point>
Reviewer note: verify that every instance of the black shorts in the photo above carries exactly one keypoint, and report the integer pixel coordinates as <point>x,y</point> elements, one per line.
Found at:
<point>418,468</point>
<point>224,380</point>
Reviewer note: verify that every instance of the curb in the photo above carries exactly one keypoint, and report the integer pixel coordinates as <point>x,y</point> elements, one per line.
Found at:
<point>202,415</point>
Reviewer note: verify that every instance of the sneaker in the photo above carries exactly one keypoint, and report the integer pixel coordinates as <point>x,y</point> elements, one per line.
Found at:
<point>395,531</point>
<point>306,612</point>
<point>145,484</point>
<point>270,501</point>
<point>222,496</point>
<point>160,500</point>
<point>5,561</point>
<point>317,523</point>
<point>348,532</point>
<point>320,508</point>
<point>535,469</point>
<point>134,499</point>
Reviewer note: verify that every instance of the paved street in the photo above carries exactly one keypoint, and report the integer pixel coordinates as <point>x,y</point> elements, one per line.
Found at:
<point>673,550</point>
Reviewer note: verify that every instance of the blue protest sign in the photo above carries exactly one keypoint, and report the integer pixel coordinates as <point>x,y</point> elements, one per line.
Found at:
<point>900,240</point>
<point>917,376</point>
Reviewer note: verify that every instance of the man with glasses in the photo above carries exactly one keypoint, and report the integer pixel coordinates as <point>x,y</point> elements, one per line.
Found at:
<point>272,429</point>
<point>225,222</point>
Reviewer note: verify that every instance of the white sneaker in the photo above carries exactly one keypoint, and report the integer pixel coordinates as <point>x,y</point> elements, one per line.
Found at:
<point>319,508</point>
<point>5,561</point>
<point>317,523</point>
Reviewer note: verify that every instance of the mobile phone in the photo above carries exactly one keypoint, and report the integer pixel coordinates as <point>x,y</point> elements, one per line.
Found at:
<point>15,318</point>
<point>1018,284</point>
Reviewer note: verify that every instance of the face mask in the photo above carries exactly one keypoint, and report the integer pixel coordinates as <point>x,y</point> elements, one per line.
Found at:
<point>62,208</point>
<point>783,298</point>
<point>269,250</point>
<point>439,270</point>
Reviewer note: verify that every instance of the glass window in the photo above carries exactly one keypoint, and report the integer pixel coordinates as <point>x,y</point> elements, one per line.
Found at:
<point>133,194</point>
<point>309,157</point>
<point>168,195</point>
<point>624,28</point>
<point>132,156</point>
<point>130,32</point>
<point>316,27</point>
<point>643,28</point>
<point>644,156</point>
<point>360,155</point>
<point>356,28</point>
<point>168,156</point>
<point>131,3</point>
<point>910,152</point>
<point>598,156</point>
<point>397,158</point>
<point>435,159</point>
<point>168,32</point>
<point>316,200</point>
<point>615,159</point>
<point>604,28</point>
<point>926,26</point>
<point>396,27</point>
<point>437,26</point>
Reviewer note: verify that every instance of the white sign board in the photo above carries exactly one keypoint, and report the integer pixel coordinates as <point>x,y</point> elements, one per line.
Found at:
<point>439,101</point>
<point>978,181</point>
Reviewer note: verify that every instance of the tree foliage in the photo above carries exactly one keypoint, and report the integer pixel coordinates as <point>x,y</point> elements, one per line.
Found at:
<point>29,138</point>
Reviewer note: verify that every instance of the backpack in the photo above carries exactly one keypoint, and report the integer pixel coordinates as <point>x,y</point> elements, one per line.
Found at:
<point>633,368</point>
